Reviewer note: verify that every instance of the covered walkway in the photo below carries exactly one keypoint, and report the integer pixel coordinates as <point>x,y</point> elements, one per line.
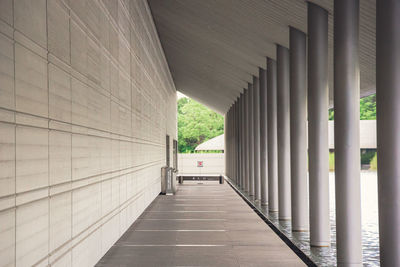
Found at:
<point>202,225</point>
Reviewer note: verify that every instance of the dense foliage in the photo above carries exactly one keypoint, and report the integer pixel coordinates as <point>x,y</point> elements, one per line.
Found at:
<point>367,108</point>
<point>196,124</point>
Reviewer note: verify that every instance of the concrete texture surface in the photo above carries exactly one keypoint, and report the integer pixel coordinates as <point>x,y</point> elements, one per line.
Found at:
<point>204,224</point>
<point>86,99</point>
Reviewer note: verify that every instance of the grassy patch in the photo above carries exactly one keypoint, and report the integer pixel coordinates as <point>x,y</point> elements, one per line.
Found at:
<point>373,165</point>
<point>331,161</point>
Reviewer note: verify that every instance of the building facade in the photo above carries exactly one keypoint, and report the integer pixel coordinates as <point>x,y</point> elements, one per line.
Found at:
<point>86,100</point>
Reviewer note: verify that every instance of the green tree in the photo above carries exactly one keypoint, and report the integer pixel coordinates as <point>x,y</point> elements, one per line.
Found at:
<point>196,124</point>
<point>368,108</point>
<point>331,114</point>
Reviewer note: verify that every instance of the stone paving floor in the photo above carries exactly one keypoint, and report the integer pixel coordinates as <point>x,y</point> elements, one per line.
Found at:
<point>204,224</point>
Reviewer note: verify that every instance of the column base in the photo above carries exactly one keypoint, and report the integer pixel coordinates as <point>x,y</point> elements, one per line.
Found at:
<point>300,230</point>
<point>320,244</point>
<point>349,264</point>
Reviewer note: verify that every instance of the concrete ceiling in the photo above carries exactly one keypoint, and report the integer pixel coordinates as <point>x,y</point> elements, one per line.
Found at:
<point>213,47</point>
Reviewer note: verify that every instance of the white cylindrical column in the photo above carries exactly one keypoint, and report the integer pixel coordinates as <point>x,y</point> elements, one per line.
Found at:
<point>243,142</point>
<point>298,129</point>
<point>246,142</point>
<point>231,154</point>
<point>256,125</point>
<point>283,94</point>
<point>240,156</point>
<point>228,142</point>
<point>318,149</point>
<point>251,139</point>
<point>237,141</point>
<point>263,137</point>
<point>388,126</point>
<point>226,149</point>
<point>272,137</point>
<point>347,133</point>
<point>231,143</point>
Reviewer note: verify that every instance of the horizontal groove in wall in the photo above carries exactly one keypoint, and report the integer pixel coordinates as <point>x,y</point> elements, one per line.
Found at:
<point>33,47</point>
<point>80,237</point>
<point>113,136</point>
<point>84,110</point>
<point>43,192</point>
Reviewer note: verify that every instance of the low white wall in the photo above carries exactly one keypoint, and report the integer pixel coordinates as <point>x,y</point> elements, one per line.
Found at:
<point>213,164</point>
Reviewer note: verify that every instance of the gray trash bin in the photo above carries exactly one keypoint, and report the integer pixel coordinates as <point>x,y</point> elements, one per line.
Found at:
<point>168,181</point>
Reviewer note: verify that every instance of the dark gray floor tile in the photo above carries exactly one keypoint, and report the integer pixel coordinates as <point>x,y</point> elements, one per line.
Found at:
<point>203,225</point>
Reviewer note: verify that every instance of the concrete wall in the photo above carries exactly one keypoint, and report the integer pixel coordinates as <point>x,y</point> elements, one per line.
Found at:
<point>86,99</point>
<point>213,164</point>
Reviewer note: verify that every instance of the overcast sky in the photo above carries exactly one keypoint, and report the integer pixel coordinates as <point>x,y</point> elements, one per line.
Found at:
<point>180,95</point>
